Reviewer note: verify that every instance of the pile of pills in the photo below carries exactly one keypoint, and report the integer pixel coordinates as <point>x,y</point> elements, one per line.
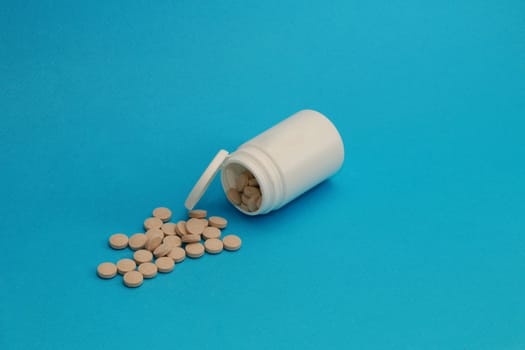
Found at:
<point>246,193</point>
<point>166,243</point>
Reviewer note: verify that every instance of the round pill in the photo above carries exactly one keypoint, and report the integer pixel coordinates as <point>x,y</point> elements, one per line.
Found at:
<point>250,199</point>
<point>231,242</point>
<point>194,250</point>
<point>107,270</point>
<point>245,199</point>
<point>253,182</point>
<point>234,196</point>
<point>162,213</point>
<point>213,246</point>
<point>217,221</point>
<point>169,228</point>
<point>125,265</point>
<point>165,264</point>
<point>191,238</point>
<point>195,226</point>
<point>153,222</point>
<point>142,256</point>
<point>181,228</point>
<point>154,241</point>
<point>177,254</point>
<point>251,191</point>
<point>242,181</point>
<point>137,241</point>
<point>211,232</point>
<point>118,241</point>
<point>173,241</point>
<point>197,213</point>
<point>133,279</point>
<point>148,270</point>
<point>162,250</point>
<point>154,232</point>
<point>252,204</point>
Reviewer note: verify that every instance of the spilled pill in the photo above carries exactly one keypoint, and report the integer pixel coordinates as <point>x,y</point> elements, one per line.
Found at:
<point>197,213</point>
<point>153,222</point>
<point>148,270</point>
<point>177,254</point>
<point>133,279</point>
<point>165,264</point>
<point>118,241</point>
<point>137,241</point>
<point>195,226</point>
<point>194,250</point>
<point>181,228</point>
<point>231,242</point>
<point>173,241</point>
<point>162,250</point>
<point>107,270</point>
<point>162,213</point>
<point>211,232</point>
<point>142,256</point>
<point>125,265</point>
<point>217,221</point>
<point>213,246</point>
<point>168,228</point>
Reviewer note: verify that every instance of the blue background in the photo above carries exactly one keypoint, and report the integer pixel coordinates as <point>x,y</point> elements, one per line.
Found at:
<point>110,109</point>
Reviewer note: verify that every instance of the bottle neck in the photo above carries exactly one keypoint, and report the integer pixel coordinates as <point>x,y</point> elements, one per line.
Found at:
<point>267,175</point>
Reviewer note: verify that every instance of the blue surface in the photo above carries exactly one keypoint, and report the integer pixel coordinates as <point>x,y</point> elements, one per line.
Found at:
<point>110,109</point>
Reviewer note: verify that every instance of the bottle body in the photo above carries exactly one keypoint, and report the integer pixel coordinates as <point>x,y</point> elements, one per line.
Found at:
<point>288,159</point>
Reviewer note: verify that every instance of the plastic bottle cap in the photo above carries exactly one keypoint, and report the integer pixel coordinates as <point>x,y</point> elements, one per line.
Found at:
<point>205,180</point>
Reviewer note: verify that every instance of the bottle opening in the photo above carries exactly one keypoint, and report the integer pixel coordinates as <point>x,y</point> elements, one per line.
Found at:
<point>242,188</point>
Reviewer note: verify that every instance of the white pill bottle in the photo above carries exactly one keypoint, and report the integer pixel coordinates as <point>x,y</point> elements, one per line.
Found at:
<point>287,160</point>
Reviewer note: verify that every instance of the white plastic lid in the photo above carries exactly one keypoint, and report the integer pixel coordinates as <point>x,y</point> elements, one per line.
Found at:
<point>205,180</point>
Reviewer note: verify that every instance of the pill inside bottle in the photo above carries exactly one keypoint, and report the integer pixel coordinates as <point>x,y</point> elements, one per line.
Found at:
<point>240,193</point>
